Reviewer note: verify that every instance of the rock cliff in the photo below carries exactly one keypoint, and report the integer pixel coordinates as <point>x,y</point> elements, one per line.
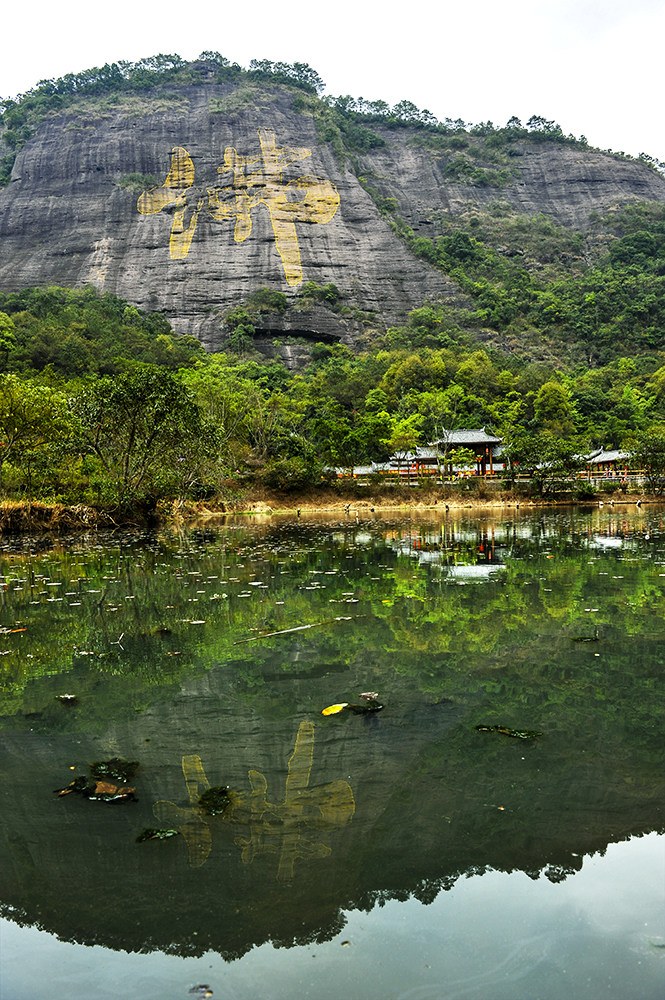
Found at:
<point>186,199</point>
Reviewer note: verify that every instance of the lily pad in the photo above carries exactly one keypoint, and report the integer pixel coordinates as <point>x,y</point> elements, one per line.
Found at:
<point>123,770</point>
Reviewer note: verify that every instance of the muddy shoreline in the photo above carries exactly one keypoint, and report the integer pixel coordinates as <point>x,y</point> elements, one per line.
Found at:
<point>265,503</point>
<point>368,505</point>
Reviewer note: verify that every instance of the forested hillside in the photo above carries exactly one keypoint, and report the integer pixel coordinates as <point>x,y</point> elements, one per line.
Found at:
<point>101,403</point>
<point>456,276</point>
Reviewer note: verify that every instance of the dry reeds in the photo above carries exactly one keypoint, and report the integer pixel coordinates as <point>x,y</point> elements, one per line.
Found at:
<point>18,517</point>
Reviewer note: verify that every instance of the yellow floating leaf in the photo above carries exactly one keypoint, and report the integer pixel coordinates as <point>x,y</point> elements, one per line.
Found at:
<point>334,709</point>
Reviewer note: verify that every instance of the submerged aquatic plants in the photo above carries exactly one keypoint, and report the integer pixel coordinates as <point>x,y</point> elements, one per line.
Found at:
<point>214,801</point>
<point>520,734</point>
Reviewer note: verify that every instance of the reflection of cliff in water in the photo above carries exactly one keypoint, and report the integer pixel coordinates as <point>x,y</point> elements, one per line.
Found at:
<point>434,799</point>
<point>358,809</point>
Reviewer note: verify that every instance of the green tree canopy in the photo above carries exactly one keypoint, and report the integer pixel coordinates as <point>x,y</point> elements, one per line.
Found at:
<point>31,417</point>
<point>140,426</point>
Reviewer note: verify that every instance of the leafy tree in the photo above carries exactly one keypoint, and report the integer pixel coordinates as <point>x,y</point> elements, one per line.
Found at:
<point>464,457</point>
<point>549,460</point>
<point>553,409</point>
<point>7,333</point>
<point>647,452</point>
<point>141,426</point>
<point>32,416</point>
<point>266,300</point>
<point>236,407</point>
<point>404,437</point>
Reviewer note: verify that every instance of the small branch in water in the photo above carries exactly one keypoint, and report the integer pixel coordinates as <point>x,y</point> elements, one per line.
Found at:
<point>118,642</point>
<point>298,628</point>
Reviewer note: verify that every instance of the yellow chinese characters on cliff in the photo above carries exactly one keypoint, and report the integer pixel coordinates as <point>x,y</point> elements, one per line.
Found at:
<point>254,181</point>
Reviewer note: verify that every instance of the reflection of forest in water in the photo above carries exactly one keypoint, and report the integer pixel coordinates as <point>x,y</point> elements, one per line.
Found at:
<point>455,620</point>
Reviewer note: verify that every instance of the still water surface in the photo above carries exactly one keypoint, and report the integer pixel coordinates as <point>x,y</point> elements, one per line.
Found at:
<point>398,854</point>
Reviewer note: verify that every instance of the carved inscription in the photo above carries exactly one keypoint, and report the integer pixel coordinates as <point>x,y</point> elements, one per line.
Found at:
<point>254,181</point>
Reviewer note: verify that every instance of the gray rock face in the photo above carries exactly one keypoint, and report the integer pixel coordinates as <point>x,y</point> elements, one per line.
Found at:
<point>566,183</point>
<point>250,199</point>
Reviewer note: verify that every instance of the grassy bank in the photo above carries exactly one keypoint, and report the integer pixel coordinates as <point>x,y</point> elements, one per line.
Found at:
<point>36,517</point>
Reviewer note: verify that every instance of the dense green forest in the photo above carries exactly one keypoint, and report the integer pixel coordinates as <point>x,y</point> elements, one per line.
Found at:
<point>99,402</point>
<point>543,289</point>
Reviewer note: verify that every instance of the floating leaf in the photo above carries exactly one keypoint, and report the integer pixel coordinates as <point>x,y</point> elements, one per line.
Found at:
<point>157,834</point>
<point>106,788</point>
<point>520,734</point>
<point>101,791</point>
<point>104,791</point>
<point>334,709</point>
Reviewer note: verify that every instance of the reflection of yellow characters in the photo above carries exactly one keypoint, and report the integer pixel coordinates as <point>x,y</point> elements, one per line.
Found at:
<point>256,181</point>
<point>273,829</point>
<point>277,829</point>
<point>189,822</point>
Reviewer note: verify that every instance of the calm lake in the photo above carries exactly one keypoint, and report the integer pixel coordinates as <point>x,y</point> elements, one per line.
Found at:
<point>393,854</point>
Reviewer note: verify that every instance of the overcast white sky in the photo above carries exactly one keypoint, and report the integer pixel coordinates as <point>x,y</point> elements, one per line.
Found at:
<point>595,66</point>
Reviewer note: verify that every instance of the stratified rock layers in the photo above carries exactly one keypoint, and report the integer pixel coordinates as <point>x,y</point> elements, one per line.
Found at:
<point>254,200</point>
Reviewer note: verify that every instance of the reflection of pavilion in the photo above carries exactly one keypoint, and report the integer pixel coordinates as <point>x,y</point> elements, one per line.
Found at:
<point>463,551</point>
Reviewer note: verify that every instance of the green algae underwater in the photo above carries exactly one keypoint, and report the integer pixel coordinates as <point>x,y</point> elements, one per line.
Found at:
<point>208,656</point>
